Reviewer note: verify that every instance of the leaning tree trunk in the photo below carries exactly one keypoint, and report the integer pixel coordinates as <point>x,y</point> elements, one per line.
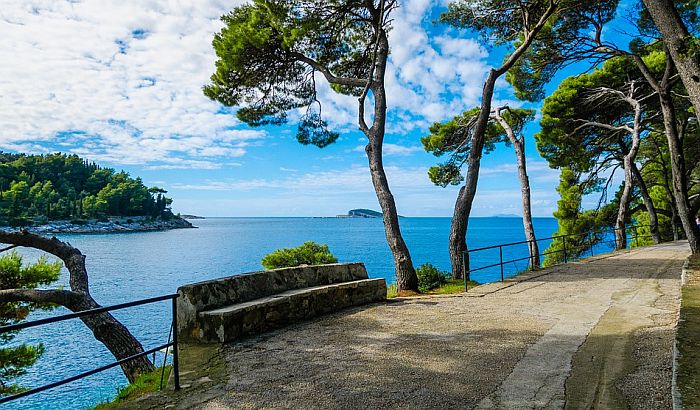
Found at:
<point>406,279</point>
<point>649,204</point>
<point>528,227</point>
<point>108,330</point>
<point>680,181</point>
<point>680,45</point>
<point>620,229</point>
<point>465,199</point>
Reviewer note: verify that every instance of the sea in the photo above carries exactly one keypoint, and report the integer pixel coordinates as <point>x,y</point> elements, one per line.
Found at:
<point>128,266</point>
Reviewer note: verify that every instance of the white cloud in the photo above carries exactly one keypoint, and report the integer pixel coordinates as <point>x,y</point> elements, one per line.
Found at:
<point>127,73</point>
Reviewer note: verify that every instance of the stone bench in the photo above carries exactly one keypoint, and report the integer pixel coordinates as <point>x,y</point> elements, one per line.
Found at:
<point>226,309</point>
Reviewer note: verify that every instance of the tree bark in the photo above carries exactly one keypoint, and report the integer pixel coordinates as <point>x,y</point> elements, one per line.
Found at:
<point>680,45</point>
<point>675,147</point>
<point>108,330</point>
<point>465,199</point>
<point>648,203</point>
<point>620,228</point>
<point>680,181</point>
<point>463,205</point>
<point>519,146</point>
<point>406,279</point>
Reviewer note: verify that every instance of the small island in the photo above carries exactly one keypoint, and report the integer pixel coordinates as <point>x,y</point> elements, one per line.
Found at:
<point>361,213</point>
<point>57,193</point>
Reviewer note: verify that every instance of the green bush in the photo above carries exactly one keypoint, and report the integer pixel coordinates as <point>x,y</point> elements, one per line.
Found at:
<point>430,277</point>
<point>310,253</point>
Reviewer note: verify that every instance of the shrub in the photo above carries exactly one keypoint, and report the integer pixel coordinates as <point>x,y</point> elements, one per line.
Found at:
<point>310,253</point>
<point>430,277</point>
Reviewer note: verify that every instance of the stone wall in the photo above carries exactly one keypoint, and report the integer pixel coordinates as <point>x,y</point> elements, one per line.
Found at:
<point>227,308</point>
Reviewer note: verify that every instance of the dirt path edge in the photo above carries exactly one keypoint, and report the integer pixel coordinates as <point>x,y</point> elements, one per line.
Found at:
<point>686,380</point>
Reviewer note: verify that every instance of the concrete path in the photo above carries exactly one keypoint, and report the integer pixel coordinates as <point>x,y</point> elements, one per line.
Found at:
<point>592,334</point>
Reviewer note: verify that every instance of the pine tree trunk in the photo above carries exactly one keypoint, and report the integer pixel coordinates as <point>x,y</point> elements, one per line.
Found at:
<point>465,199</point>
<point>519,146</point>
<point>527,208</point>
<point>680,45</point>
<point>620,228</point>
<point>406,279</point>
<point>680,182</point>
<point>649,204</point>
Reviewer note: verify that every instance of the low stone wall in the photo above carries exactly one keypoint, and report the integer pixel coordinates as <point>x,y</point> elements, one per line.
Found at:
<point>225,309</point>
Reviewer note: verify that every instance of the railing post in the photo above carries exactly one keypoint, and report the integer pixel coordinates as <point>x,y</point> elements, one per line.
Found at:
<point>176,362</point>
<point>566,260</point>
<point>500,251</point>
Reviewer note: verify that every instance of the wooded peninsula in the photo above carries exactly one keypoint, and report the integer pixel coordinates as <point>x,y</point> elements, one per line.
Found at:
<point>36,189</point>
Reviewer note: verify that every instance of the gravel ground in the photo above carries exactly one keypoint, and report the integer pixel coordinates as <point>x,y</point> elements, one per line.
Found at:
<point>596,333</point>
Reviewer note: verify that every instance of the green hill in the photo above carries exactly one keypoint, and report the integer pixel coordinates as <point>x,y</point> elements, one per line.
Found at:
<point>41,188</point>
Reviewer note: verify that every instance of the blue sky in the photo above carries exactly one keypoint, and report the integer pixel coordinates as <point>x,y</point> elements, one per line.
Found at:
<point>119,82</point>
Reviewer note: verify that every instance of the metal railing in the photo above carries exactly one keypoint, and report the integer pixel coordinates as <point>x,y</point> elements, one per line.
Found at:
<point>594,237</point>
<point>173,344</point>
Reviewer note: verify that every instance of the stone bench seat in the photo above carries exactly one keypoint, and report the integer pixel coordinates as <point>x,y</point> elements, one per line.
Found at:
<point>226,309</point>
<point>271,312</point>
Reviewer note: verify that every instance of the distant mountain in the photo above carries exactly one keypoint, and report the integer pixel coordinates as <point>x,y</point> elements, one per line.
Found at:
<point>506,216</point>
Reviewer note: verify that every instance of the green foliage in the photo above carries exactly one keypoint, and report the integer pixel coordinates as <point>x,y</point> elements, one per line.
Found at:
<point>567,37</point>
<point>264,53</point>
<point>500,22</point>
<point>310,253</point>
<point>39,188</point>
<point>14,360</point>
<point>452,138</point>
<point>571,221</point>
<point>430,277</point>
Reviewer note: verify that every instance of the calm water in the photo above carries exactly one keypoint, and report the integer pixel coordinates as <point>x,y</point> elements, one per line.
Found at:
<point>130,266</point>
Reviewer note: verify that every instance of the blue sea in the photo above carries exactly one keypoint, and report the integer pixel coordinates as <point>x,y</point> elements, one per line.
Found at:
<point>130,266</point>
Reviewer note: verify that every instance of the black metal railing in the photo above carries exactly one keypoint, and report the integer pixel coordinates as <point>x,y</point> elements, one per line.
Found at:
<point>591,238</point>
<point>173,344</point>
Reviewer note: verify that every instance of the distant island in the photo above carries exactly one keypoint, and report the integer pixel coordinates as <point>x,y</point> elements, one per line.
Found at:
<point>361,213</point>
<point>65,193</point>
<point>188,216</point>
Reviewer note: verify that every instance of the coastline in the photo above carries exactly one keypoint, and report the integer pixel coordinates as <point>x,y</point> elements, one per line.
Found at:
<point>113,225</point>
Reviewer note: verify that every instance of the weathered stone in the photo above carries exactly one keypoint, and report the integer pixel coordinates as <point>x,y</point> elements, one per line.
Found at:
<point>225,309</point>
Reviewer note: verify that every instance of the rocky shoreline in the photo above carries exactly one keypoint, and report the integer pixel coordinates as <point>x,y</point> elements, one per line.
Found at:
<point>133,224</point>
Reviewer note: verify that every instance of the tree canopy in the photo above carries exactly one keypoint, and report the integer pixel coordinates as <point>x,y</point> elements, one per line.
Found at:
<point>39,188</point>
<point>269,52</point>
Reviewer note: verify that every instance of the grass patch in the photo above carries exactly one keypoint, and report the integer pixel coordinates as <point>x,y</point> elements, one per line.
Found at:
<point>146,383</point>
<point>450,287</point>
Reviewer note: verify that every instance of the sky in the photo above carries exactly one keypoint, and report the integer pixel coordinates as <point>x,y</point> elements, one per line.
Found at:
<point>120,83</point>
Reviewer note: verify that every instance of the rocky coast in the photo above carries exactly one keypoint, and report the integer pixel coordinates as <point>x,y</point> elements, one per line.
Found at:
<point>132,224</point>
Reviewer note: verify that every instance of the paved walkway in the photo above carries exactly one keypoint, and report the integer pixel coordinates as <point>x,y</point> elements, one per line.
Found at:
<point>592,334</point>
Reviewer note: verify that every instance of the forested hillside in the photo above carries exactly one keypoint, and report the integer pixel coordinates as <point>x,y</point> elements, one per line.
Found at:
<point>39,188</point>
